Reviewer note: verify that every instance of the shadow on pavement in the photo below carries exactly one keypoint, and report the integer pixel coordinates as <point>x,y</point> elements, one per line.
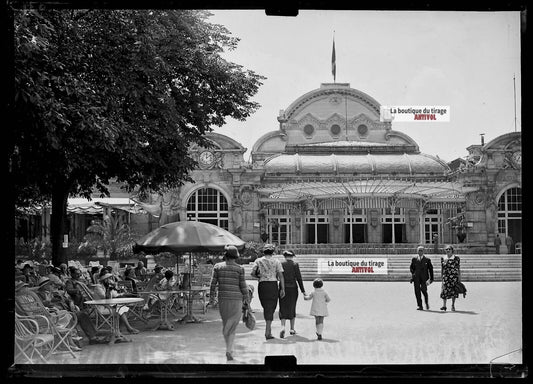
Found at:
<point>293,339</point>
<point>465,312</point>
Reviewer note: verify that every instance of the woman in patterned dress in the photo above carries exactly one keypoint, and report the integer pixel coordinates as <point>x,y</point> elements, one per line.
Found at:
<point>228,278</point>
<point>451,274</point>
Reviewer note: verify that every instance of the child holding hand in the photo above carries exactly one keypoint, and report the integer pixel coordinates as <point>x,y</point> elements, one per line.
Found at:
<point>319,307</point>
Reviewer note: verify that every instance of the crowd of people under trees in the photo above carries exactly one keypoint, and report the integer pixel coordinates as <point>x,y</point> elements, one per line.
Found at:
<point>63,291</point>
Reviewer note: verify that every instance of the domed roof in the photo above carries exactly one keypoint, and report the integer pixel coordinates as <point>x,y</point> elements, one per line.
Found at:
<point>408,164</point>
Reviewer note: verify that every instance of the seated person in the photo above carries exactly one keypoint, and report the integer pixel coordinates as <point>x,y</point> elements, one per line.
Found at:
<point>26,298</point>
<point>95,273</point>
<point>57,303</point>
<point>44,291</point>
<point>106,289</point>
<point>54,275</point>
<point>75,287</point>
<point>128,276</point>
<point>30,277</point>
<point>64,274</point>
<point>167,283</point>
<point>150,298</point>
<point>140,271</point>
<point>19,264</point>
<point>109,269</point>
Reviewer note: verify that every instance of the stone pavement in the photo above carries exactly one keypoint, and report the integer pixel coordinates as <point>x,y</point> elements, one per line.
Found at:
<point>370,323</point>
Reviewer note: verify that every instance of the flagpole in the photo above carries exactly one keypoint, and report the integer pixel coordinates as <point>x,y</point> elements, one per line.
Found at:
<point>333,60</point>
<point>514,92</point>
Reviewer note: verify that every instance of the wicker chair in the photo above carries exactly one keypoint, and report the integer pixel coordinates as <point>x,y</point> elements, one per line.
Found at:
<point>29,304</point>
<point>30,339</point>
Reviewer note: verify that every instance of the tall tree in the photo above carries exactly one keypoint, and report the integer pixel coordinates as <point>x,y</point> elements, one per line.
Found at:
<point>109,94</point>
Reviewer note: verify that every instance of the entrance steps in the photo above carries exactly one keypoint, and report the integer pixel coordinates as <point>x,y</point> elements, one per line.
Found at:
<point>480,267</point>
<point>383,248</point>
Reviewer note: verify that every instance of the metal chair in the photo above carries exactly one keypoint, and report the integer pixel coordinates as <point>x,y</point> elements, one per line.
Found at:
<point>29,304</point>
<point>518,248</point>
<point>31,339</point>
<point>101,318</point>
<point>137,309</point>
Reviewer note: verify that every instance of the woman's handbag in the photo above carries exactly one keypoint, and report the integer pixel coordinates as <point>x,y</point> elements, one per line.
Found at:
<point>248,317</point>
<point>460,288</point>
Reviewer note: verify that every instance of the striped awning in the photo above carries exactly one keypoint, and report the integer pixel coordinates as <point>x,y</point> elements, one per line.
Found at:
<point>95,206</point>
<point>428,190</point>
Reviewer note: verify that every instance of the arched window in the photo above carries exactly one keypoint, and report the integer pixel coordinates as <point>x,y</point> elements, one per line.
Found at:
<point>510,214</point>
<point>208,205</point>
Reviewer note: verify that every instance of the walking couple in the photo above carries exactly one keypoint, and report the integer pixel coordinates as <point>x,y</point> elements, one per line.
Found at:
<point>422,276</point>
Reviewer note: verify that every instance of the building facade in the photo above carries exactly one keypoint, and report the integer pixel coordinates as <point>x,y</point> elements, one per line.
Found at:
<point>334,173</point>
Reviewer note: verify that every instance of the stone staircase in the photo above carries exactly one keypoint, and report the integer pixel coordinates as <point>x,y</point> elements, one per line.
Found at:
<point>382,248</point>
<point>483,267</point>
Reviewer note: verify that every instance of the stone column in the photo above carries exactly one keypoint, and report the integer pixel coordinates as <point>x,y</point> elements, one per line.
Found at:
<point>393,203</point>
<point>421,206</point>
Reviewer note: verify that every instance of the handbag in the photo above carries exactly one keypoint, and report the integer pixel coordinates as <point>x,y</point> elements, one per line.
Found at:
<point>248,317</point>
<point>460,288</point>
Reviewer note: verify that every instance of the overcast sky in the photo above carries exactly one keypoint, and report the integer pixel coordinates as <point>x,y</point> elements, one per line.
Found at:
<point>465,60</point>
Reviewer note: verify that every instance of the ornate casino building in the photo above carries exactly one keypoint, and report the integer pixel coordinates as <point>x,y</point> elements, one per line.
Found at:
<point>334,175</point>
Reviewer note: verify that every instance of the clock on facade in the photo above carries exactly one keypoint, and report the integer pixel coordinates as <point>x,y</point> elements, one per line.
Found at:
<point>517,158</point>
<point>206,158</point>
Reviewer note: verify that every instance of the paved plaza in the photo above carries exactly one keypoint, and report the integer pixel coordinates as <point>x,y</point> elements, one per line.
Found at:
<point>369,323</point>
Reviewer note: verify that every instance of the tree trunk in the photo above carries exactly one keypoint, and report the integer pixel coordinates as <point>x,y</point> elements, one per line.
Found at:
<point>57,224</point>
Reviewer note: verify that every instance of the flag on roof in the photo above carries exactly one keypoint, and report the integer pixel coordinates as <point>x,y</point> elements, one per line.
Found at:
<point>333,62</point>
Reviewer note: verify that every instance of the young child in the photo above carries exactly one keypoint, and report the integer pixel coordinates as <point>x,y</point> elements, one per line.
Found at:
<point>319,307</point>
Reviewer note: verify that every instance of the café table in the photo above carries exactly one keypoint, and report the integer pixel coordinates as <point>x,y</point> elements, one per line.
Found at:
<point>166,300</point>
<point>189,294</point>
<point>112,305</point>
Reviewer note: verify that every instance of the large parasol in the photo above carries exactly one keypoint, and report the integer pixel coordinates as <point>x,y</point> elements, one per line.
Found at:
<point>187,236</point>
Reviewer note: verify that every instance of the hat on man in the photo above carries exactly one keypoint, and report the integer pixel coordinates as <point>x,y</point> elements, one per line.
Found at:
<point>419,248</point>
<point>43,281</point>
<point>105,276</point>
<point>231,251</point>
<point>27,266</point>
<point>19,284</point>
<point>288,253</point>
<point>269,247</point>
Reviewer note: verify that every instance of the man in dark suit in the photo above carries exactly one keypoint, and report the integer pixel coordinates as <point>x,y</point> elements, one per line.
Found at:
<point>421,275</point>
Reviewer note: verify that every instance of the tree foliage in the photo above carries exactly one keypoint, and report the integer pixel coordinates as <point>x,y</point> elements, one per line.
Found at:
<point>105,95</point>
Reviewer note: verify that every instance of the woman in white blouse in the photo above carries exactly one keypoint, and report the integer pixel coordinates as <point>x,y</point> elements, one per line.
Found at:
<point>269,270</point>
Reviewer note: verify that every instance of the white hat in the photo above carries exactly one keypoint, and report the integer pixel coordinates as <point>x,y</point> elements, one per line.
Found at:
<point>43,281</point>
<point>105,276</point>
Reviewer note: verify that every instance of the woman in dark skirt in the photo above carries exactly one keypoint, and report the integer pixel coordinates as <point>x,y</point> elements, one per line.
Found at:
<point>451,274</point>
<point>287,304</point>
<point>269,270</point>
